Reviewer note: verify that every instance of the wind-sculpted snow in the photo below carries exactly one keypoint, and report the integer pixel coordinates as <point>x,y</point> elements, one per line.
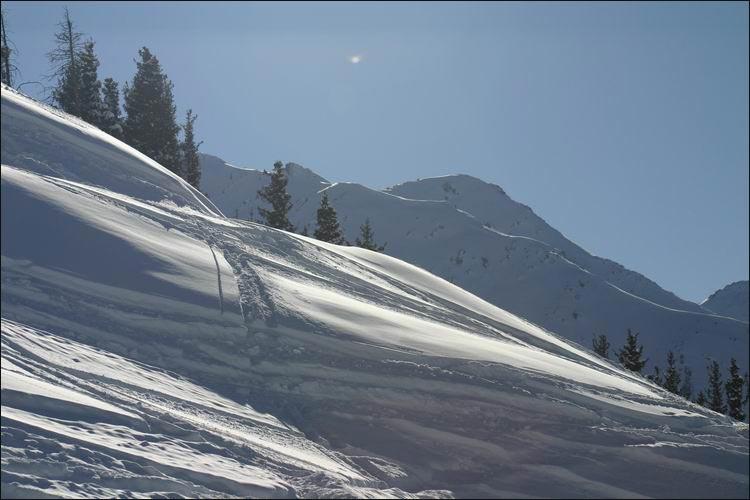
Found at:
<point>152,348</point>
<point>474,235</point>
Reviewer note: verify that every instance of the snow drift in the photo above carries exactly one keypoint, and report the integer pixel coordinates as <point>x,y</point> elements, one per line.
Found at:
<point>151,346</point>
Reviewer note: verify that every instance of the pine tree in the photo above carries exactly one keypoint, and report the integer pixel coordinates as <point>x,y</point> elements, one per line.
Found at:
<point>631,353</point>
<point>66,66</point>
<point>734,385</point>
<point>191,165</point>
<point>328,224</point>
<point>111,121</point>
<point>672,375</point>
<point>367,239</point>
<point>656,376</point>
<point>701,399</point>
<point>275,194</point>
<point>600,345</point>
<point>714,391</point>
<point>150,125</point>
<point>91,105</point>
<point>304,231</point>
<point>7,69</point>
<point>686,388</point>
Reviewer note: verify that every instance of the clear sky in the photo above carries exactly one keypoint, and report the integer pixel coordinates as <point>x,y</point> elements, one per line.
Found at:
<point>624,125</point>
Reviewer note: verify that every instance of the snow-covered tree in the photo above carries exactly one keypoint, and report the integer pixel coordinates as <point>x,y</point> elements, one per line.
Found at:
<point>150,124</point>
<point>631,354</point>
<point>66,66</point>
<point>600,344</point>
<point>275,194</point>
<point>366,238</point>
<point>328,229</point>
<point>715,389</point>
<point>672,375</point>
<point>734,389</point>
<point>191,166</point>
<point>111,121</point>
<point>656,376</point>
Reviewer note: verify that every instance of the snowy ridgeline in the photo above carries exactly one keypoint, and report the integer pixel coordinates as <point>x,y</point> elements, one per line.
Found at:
<point>732,300</point>
<point>472,234</point>
<point>151,346</point>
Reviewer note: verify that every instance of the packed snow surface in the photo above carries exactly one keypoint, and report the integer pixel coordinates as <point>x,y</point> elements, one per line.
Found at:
<point>472,234</point>
<point>153,347</point>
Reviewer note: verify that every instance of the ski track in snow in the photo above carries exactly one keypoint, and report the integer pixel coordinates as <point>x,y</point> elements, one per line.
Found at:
<point>325,370</point>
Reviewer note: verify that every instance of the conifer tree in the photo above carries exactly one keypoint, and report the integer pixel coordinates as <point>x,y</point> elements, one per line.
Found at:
<point>686,387</point>
<point>701,399</point>
<point>630,356</point>
<point>600,345</point>
<point>715,391</point>
<point>275,194</point>
<point>367,238</point>
<point>7,69</point>
<point>304,231</point>
<point>191,165</point>
<point>66,66</point>
<point>328,224</point>
<point>91,105</point>
<point>672,375</point>
<point>150,125</point>
<point>656,376</point>
<point>734,386</point>
<point>111,121</point>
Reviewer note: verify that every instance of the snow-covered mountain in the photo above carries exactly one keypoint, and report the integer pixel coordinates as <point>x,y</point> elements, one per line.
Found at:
<point>472,234</point>
<point>733,300</point>
<point>153,347</point>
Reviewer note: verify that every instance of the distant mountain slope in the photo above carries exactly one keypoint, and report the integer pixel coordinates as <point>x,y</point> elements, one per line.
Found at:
<point>733,300</point>
<point>155,348</point>
<point>483,241</point>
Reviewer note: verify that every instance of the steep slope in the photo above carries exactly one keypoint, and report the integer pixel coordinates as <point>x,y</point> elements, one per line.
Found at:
<point>733,300</point>
<point>493,207</point>
<point>153,348</point>
<point>520,273</point>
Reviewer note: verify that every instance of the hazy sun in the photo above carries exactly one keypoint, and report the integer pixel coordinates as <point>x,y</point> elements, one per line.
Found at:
<point>355,59</point>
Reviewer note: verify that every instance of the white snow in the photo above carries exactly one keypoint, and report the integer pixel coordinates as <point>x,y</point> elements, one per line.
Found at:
<point>152,347</point>
<point>474,235</point>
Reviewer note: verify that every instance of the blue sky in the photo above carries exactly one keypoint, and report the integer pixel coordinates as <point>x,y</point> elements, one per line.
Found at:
<point>624,125</point>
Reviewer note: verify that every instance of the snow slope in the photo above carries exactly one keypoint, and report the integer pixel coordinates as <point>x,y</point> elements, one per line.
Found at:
<point>152,347</point>
<point>473,235</point>
<point>733,300</point>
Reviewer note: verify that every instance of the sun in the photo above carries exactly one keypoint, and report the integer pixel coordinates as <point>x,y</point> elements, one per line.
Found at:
<point>355,59</point>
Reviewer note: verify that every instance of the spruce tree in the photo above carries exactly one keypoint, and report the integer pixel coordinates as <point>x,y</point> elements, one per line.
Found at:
<point>367,239</point>
<point>275,194</point>
<point>686,388</point>
<point>630,356</point>
<point>701,399</point>
<point>656,376</point>
<point>734,386</point>
<point>600,345</point>
<point>715,391</point>
<point>150,125</point>
<point>191,165</point>
<point>328,224</point>
<point>672,375</point>
<point>66,66</point>
<point>7,69</point>
<point>91,105</point>
<point>111,121</point>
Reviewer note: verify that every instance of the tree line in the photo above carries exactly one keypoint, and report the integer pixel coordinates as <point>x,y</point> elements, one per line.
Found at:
<point>328,228</point>
<point>148,123</point>
<point>729,397</point>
